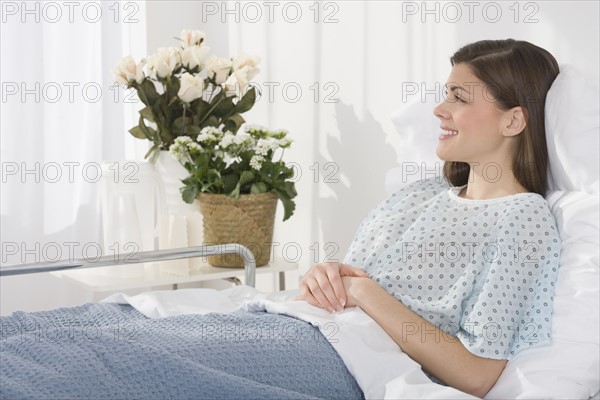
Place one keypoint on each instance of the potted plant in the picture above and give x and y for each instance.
(193, 103)
(238, 179)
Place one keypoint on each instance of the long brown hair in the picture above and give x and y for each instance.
(516, 73)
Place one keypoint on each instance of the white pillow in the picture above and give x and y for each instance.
(569, 367)
(573, 131)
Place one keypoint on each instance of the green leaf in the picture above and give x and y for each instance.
(180, 122)
(224, 108)
(230, 183)
(233, 123)
(191, 130)
(288, 204)
(154, 151)
(147, 92)
(137, 132)
(258, 187)
(189, 193)
(200, 107)
(247, 177)
(210, 121)
(290, 189)
(246, 102)
(150, 133)
(147, 113)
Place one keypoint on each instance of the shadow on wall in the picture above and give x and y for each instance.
(355, 173)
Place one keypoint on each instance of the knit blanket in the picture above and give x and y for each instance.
(112, 351)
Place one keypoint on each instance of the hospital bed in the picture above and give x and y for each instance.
(171, 344)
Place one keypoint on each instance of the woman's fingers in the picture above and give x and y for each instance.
(317, 293)
(346, 270)
(307, 296)
(323, 285)
(337, 286)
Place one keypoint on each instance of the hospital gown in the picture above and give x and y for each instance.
(480, 270)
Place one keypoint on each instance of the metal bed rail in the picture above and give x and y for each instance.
(141, 257)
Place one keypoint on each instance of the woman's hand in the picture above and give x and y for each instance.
(322, 285)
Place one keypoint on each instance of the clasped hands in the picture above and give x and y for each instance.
(332, 286)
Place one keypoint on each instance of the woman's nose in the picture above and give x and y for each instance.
(440, 111)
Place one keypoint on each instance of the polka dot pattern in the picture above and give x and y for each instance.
(481, 270)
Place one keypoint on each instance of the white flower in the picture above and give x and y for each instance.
(264, 145)
(228, 140)
(128, 71)
(244, 69)
(247, 64)
(164, 61)
(218, 68)
(194, 56)
(284, 143)
(231, 86)
(184, 140)
(229, 159)
(255, 162)
(255, 128)
(194, 147)
(191, 38)
(191, 87)
(179, 147)
(209, 133)
(244, 140)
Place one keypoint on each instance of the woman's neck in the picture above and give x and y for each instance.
(490, 183)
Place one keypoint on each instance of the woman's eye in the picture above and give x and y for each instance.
(455, 97)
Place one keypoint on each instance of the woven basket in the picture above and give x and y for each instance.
(248, 221)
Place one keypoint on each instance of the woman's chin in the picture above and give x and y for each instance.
(442, 155)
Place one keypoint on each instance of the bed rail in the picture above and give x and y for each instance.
(141, 257)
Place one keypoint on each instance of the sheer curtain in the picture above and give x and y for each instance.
(61, 116)
(332, 75)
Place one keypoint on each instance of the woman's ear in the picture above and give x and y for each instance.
(515, 121)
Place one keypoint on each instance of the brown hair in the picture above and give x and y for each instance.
(516, 73)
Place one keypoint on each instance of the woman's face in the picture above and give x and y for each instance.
(470, 113)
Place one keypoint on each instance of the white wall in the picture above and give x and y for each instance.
(363, 59)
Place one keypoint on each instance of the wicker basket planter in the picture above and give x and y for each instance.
(248, 221)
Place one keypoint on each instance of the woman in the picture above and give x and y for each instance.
(462, 276)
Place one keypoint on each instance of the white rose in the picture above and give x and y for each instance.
(247, 64)
(191, 87)
(191, 38)
(164, 62)
(218, 68)
(128, 71)
(194, 56)
(231, 86)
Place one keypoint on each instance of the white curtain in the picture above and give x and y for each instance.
(332, 78)
(61, 116)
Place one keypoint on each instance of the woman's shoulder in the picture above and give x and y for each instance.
(530, 204)
(434, 184)
(416, 191)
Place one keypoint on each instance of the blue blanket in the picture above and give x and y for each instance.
(110, 351)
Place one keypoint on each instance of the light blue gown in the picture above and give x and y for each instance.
(480, 270)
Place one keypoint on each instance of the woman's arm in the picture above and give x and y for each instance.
(438, 352)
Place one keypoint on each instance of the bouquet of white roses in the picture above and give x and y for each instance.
(233, 164)
(185, 90)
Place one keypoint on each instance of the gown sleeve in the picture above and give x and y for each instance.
(510, 307)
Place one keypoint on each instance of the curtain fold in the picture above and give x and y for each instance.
(61, 117)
